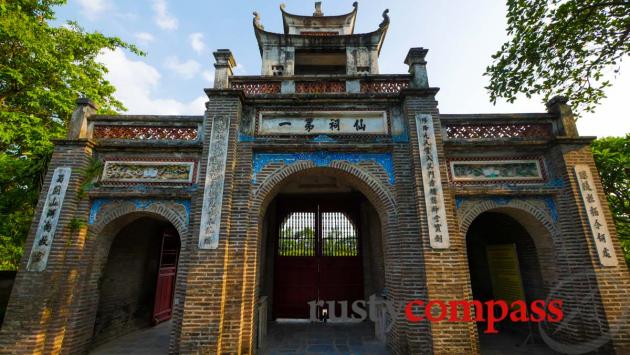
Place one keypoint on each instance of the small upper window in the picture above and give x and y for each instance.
(320, 62)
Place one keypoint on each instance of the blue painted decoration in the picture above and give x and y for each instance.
(504, 200)
(324, 138)
(140, 204)
(324, 158)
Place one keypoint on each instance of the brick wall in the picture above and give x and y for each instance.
(446, 270)
(610, 306)
(210, 317)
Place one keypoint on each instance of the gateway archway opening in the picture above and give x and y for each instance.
(505, 264)
(136, 287)
(317, 255)
(321, 241)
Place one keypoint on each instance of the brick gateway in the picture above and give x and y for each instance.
(430, 192)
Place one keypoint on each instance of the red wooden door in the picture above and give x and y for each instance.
(167, 271)
(317, 256)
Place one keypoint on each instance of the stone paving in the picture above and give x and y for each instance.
(312, 338)
(320, 338)
(150, 341)
(511, 344)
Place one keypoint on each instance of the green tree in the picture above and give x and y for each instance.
(612, 156)
(43, 69)
(561, 47)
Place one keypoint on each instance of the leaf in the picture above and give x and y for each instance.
(43, 69)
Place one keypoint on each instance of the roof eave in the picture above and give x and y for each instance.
(351, 16)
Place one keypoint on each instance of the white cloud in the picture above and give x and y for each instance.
(94, 8)
(196, 42)
(135, 83)
(144, 37)
(162, 17)
(239, 69)
(186, 69)
(208, 75)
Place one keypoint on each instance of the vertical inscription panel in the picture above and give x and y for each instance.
(596, 220)
(49, 219)
(432, 183)
(213, 186)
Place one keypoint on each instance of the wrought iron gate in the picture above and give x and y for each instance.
(318, 254)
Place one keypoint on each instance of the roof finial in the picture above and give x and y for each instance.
(385, 19)
(318, 9)
(257, 23)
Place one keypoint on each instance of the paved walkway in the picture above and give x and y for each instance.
(511, 344)
(319, 338)
(150, 341)
(311, 338)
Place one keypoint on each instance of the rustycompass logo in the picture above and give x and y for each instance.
(490, 312)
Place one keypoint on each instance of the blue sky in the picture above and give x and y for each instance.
(179, 37)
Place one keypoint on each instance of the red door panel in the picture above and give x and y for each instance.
(296, 285)
(341, 279)
(167, 271)
(317, 257)
(164, 294)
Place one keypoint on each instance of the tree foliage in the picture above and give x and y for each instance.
(561, 47)
(612, 156)
(43, 69)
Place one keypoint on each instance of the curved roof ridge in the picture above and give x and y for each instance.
(345, 17)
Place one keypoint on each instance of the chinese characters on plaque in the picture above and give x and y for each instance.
(432, 183)
(49, 219)
(213, 186)
(322, 122)
(596, 219)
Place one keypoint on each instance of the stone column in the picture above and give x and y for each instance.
(223, 68)
(417, 67)
(79, 122)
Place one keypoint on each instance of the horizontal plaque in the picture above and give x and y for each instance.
(322, 122)
(491, 170)
(148, 171)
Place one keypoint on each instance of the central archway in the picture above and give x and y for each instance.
(322, 237)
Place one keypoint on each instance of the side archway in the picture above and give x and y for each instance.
(536, 216)
(511, 256)
(122, 230)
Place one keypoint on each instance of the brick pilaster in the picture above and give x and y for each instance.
(41, 302)
(210, 318)
(446, 269)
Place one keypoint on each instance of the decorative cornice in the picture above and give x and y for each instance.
(82, 142)
(225, 92)
(419, 92)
